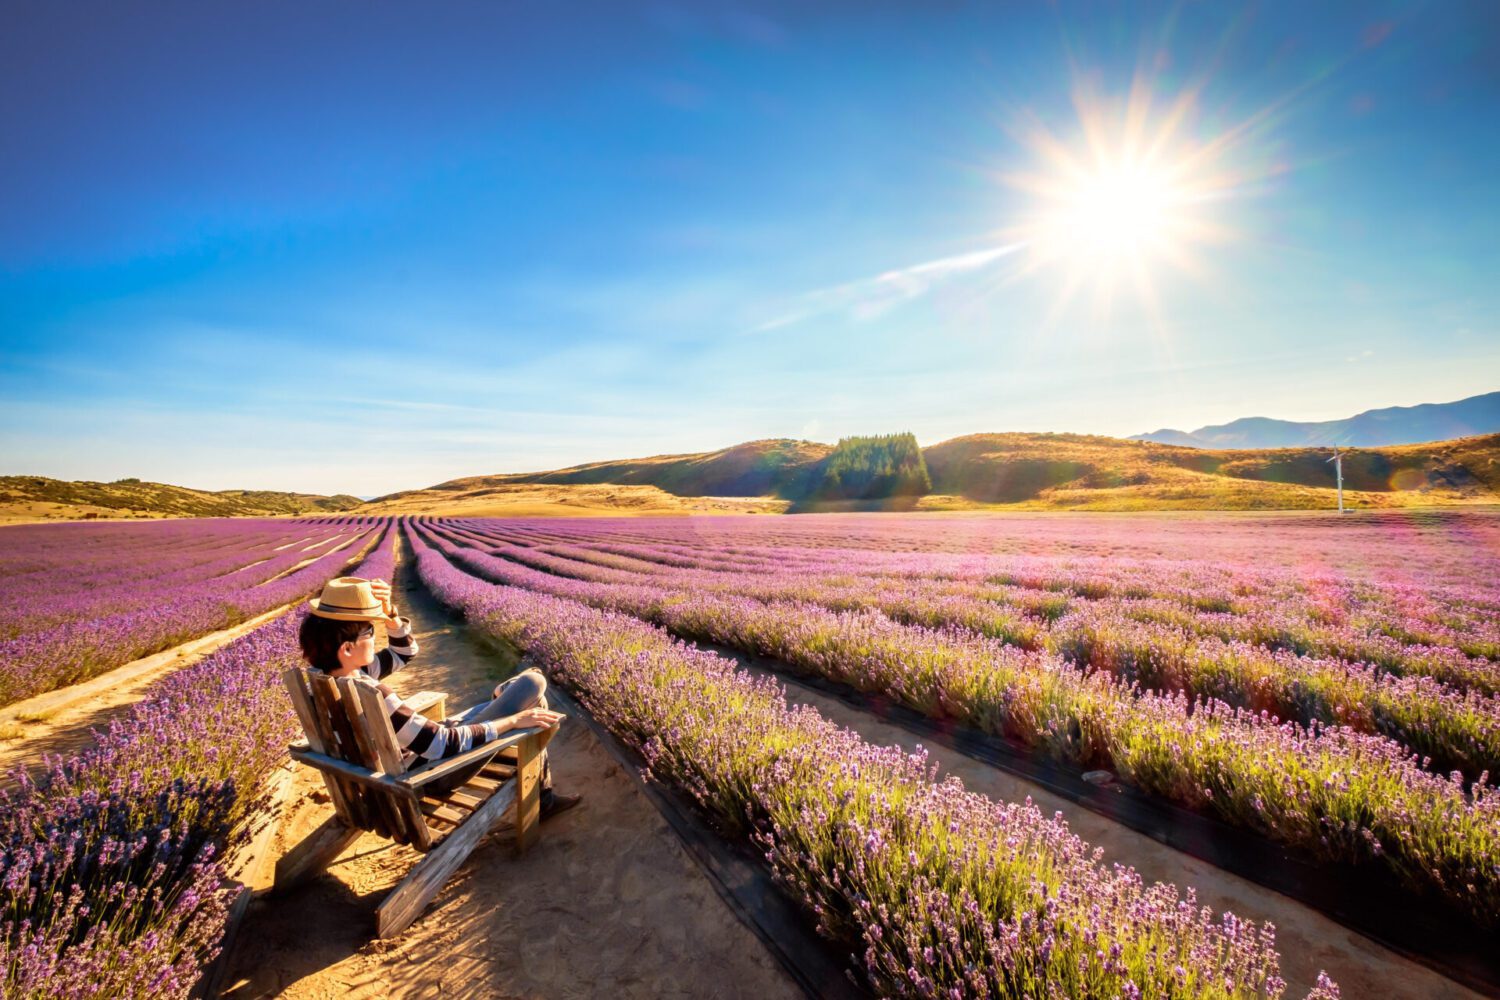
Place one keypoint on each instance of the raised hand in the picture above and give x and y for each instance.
(382, 591)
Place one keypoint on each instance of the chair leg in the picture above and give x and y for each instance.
(406, 902)
(314, 854)
(528, 780)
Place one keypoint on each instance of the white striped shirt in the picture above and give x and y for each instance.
(427, 739)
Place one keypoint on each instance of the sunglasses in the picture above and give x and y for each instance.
(365, 633)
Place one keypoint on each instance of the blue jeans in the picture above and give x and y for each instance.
(527, 689)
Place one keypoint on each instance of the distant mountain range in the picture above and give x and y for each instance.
(1370, 429)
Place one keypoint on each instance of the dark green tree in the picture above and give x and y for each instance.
(874, 468)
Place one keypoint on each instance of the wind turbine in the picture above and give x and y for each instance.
(1338, 467)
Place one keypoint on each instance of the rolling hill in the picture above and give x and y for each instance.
(775, 467)
(974, 472)
(37, 498)
(987, 471)
(1071, 471)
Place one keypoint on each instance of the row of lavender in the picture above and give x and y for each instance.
(1332, 791)
(89, 579)
(83, 611)
(1422, 549)
(1453, 726)
(1307, 609)
(943, 892)
(112, 877)
(56, 572)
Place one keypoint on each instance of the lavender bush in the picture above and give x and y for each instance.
(1332, 790)
(81, 647)
(112, 879)
(943, 892)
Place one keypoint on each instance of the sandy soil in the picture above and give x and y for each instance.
(1307, 940)
(607, 904)
(63, 721)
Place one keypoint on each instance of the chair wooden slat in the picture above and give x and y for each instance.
(353, 773)
(295, 681)
(427, 876)
(390, 810)
(355, 812)
(326, 697)
(466, 800)
(444, 812)
(382, 740)
(485, 782)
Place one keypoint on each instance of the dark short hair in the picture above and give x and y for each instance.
(320, 639)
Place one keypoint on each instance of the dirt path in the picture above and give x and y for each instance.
(607, 904)
(1307, 940)
(63, 721)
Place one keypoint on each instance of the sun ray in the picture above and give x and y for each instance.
(1131, 191)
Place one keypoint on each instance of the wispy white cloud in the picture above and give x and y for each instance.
(868, 298)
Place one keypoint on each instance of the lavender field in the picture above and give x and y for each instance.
(1326, 685)
(1329, 686)
(83, 599)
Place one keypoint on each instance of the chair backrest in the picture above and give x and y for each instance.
(346, 719)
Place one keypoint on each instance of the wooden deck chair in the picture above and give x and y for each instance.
(350, 740)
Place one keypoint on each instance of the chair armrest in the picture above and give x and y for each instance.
(433, 704)
(419, 776)
(344, 769)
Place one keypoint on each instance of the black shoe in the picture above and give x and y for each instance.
(553, 803)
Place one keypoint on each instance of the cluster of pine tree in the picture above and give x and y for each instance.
(873, 468)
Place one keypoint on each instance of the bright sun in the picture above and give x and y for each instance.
(1132, 192)
(1120, 210)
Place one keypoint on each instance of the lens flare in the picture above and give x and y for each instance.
(1131, 189)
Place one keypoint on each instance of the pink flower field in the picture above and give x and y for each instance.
(1331, 686)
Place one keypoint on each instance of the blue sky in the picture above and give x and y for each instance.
(368, 247)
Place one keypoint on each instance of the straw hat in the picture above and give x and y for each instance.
(347, 599)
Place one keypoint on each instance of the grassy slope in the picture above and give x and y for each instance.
(483, 498)
(1072, 471)
(976, 472)
(994, 472)
(25, 498)
(777, 467)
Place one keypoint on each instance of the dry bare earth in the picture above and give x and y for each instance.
(606, 904)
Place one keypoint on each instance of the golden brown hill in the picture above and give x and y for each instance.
(750, 478)
(1077, 471)
(37, 498)
(561, 500)
(987, 471)
(777, 467)
(976, 472)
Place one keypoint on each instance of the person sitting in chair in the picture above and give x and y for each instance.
(338, 638)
